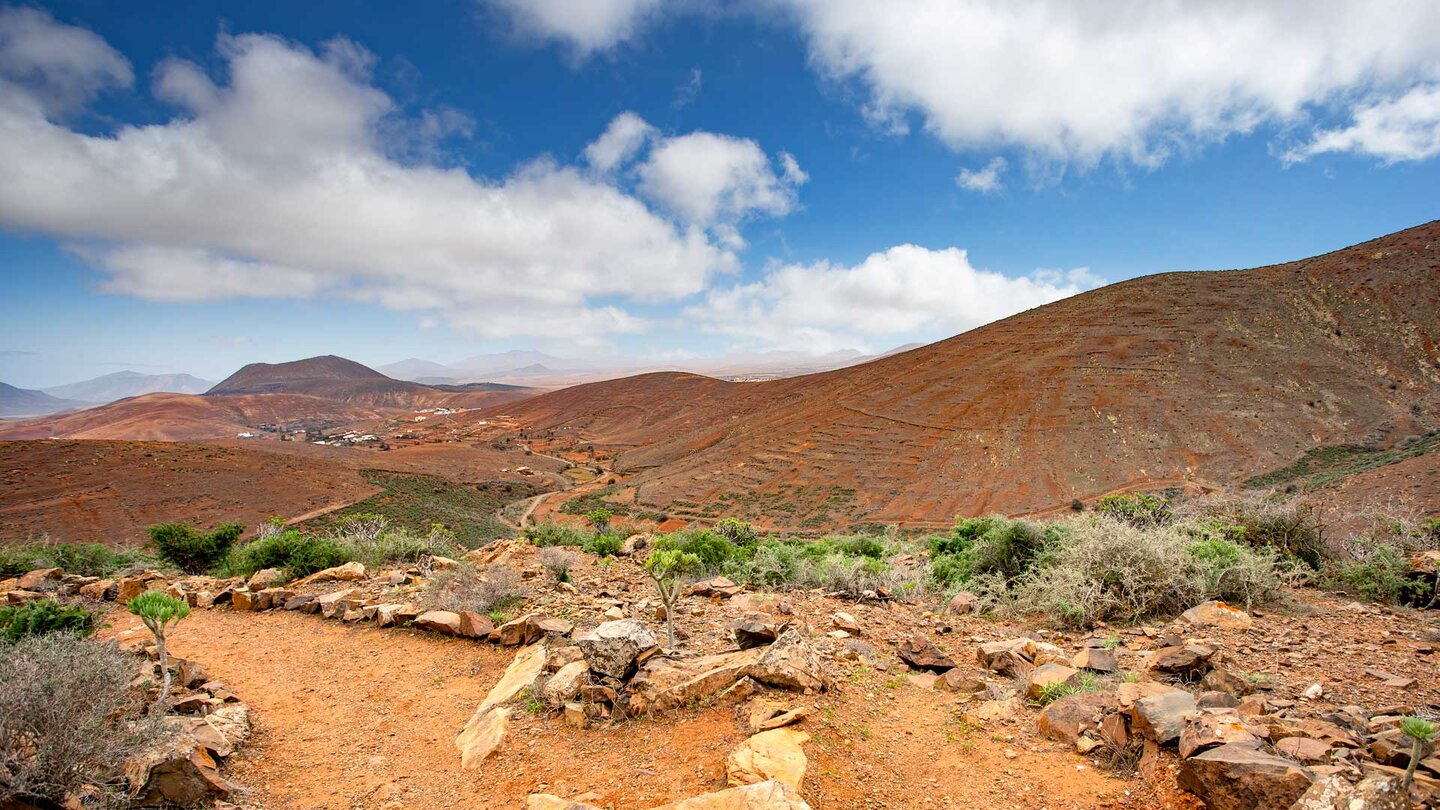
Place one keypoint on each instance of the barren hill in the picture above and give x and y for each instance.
(26, 402)
(185, 417)
(337, 378)
(122, 384)
(1180, 379)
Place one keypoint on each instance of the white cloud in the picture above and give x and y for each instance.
(985, 180)
(1405, 128)
(281, 181)
(1080, 80)
(706, 178)
(906, 293)
(61, 66)
(585, 26)
(625, 136)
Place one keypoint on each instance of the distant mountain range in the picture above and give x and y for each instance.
(532, 368)
(122, 384)
(26, 402)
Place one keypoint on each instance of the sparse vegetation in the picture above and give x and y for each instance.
(86, 559)
(1136, 508)
(465, 587)
(68, 719)
(296, 553)
(550, 533)
(604, 545)
(371, 540)
(160, 613)
(414, 503)
(192, 550)
(1375, 571)
(558, 561)
(44, 616)
(1422, 733)
(1325, 465)
(667, 569)
(1084, 682)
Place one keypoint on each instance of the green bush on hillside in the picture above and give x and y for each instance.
(192, 550)
(86, 559)
(295, 553)
(1136, 508)
(550, 533)
(44, 616)
(604, 545)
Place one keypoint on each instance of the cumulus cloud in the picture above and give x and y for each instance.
(61, 66)
(704, 180)
(707, 178)
(985, 180)
(1081, 80)
(1405, 128)
(905, 293)
(585, 26)
(281, 180)
(620, 142)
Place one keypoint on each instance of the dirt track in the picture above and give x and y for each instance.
(356, 717)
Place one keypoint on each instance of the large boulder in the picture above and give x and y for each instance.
(1162, 717)
(1239, 776)
(715, 587)
(755, 630)
(349, 572)
(772, 795)
(482, 736)
(1208, 728)
(439, 621)
(663, 683)
(39, 579)
(175, 771)
(1013, 656)
(564, 685)
(1069, 717)
(921, 653)
(611, 648)
(774, 754)
(1049, 676)
(1377, 791)
(265, 578)
(790, 663)
(1190, 661)
(1218, 614)
(529, 629)
(475, 625)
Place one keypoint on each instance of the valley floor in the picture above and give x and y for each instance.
(357, 717)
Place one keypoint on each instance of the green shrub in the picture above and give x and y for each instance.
(44, 616)
(86, 559)
(738, 532)
(191, 550)
(600, 519)
(399, 546)
(296, 553)
(68, 719)
(1110, 570)
(555, 534)
(711, 549)
(1136, 508)
(1290, 528)
(1378, 572)
(604, 545)
(989, 545)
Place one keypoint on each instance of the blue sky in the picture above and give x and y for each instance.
(189, 187)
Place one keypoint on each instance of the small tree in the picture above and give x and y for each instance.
(1421, 733)
(600, 519)
(667, 568)
(160, 612)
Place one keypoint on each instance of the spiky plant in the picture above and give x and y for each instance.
(160, 613)
(666, 568)
(1421, 732)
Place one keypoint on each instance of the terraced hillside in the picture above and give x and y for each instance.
(1196, 380)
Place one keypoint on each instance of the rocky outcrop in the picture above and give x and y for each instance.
(775, 754)
(1239, 776)
(612, 648)
(772, 795)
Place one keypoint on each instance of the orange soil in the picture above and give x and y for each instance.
(355, 717)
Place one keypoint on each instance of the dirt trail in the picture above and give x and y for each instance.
(356, 717)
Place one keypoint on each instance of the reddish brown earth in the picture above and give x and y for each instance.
(185, 417)
(109, 491)
(319, 392)
(1193, 380)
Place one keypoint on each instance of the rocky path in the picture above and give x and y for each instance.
(356, 717)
